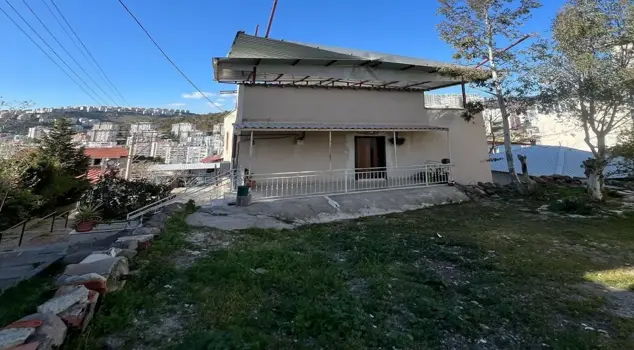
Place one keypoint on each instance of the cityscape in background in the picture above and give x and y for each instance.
(183, 143)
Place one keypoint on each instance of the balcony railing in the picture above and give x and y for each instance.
(309, 183)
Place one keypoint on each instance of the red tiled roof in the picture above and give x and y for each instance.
(93, 174)
(106, 152)
(211, 159)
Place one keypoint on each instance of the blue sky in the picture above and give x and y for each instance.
(192, 32)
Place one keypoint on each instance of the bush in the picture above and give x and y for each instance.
(571, 206)
(117, 196)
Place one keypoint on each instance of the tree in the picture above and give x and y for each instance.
(480, 29)
(586, 73)
(58, 145)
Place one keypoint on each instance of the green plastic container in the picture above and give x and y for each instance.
(243, 191)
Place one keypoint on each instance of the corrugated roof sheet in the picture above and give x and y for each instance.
(331, 126)
(249, 46)
(548, 160)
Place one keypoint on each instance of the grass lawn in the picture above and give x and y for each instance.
(455, 277)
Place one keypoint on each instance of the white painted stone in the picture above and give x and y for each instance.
(137, 238)
(74, 279)
(14, 336)
(95, 257)
(63, 302)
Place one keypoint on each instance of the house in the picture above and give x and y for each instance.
(545, 161)
(103, 158)
(314, 119)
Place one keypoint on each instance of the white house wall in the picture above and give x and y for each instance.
(467, 139)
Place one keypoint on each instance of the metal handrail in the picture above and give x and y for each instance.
(167, 200)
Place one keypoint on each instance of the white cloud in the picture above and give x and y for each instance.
(176, 104)
(197, 95)
(220, 100)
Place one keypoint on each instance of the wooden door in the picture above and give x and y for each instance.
(370, 157)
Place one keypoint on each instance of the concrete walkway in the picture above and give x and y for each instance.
(289, 213)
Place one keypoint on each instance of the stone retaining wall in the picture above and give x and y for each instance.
(81, 287)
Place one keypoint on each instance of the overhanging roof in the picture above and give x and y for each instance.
(255, 59)
(282, 126)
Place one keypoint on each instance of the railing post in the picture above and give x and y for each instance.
(22, 233)
(426, 175)
(345, 180)
(52, 223)
(66, 222)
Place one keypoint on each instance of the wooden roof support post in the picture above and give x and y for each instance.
(464, 95)
(251, 153)
(450, 160)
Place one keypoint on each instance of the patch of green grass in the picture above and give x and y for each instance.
(23, 299)
(616, 278)
(571, 206)
(434, 278)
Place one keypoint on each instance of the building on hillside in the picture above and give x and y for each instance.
(340, 120)
(103, 132)
(37, 132)
(182, 130)
(195, 154)
(141, 127)
(176, 154)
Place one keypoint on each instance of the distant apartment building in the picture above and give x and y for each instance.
(141, 127)
(103, 132)
(448, 100)
(195, 154)
(182, 130)
(37, 132)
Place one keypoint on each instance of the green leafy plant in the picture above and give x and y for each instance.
(88, 212)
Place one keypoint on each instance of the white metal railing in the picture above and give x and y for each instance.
(307, 183)
(207, 188)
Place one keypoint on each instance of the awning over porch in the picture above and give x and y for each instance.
(282, 126)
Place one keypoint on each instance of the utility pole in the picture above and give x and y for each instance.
(128, 164)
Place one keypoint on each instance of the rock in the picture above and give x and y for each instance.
(172, 208)
(111, 252)
(479, 191)
(260, 271)
(11, 337)
(63, 302)
(79, 315)
(95, 257)
(157, 220)
(92, 281)
(127, 253)
(34, 345)
(111, 269)
(51, 333)
(131, 245)
(138, 238)
(146, 231)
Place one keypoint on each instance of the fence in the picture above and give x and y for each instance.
(307, 183)
(14, 236)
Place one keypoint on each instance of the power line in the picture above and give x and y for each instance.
(49, 57)
(68, 53)
(85, 48)
(54, 52)
(167, 57)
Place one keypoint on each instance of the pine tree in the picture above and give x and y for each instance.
(58, 146)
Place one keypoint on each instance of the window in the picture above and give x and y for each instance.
(96, 161)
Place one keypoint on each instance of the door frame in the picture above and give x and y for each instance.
(382, 158)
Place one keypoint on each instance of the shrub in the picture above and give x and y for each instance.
(117, 196)
(571, 206)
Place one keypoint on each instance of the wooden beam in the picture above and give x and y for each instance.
(304, 78)
(408, 67)
(417, 84)
(330, 63)
(390, 83)
(278, 77)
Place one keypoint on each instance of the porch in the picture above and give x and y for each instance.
(281, 160)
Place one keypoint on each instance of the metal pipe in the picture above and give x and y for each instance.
(251, 153)
(53, 223)
(257, 26)
(330, 150)
(22, 233)
(395, 157)
(128, 163)
(268, 27)
(66, 222)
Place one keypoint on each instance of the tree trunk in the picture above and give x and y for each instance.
(594, 174)
(508, 151)
(531, 185)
